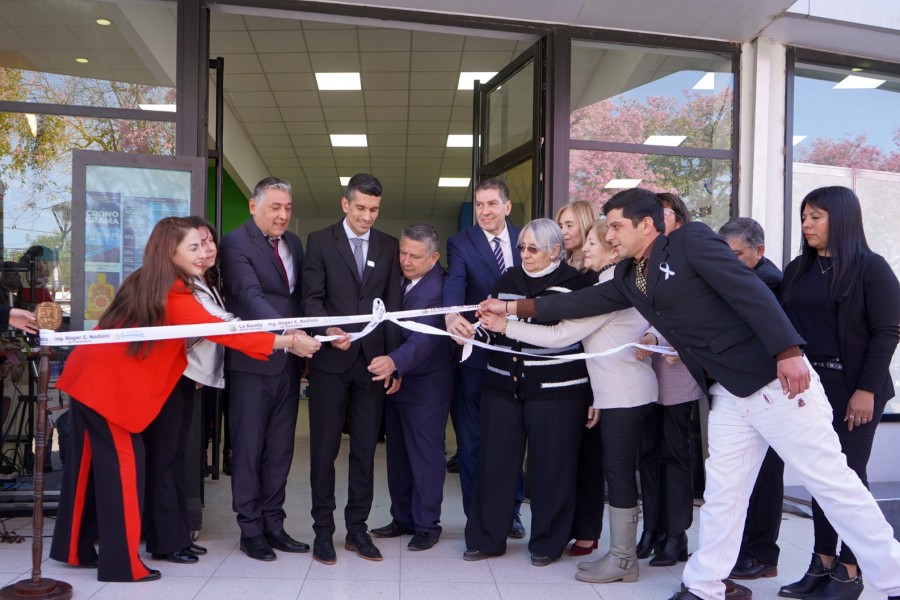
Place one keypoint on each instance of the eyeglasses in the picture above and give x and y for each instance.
(530, 249)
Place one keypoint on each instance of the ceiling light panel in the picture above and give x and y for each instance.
(453, 182)
(855, 82)
(621, 184)
(338, 81)
(665, 140)
(467, 79)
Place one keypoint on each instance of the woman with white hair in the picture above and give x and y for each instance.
(538, 401)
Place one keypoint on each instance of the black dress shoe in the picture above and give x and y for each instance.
(840, 586)
(392, 530)
(748, 567)
(196, 549)
(153, 575)
(816, 576)
(473, 555)
(650, 543)
(279, 540)
(541, 561)
(453, 464)
(736, 591)
(685, 595)
(422, 541)
(182, 557)
(517, 530)
(256, 547)
(674, 549)
(361, 543)
(323, 550)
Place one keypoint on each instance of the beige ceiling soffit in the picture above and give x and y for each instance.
(153, 35)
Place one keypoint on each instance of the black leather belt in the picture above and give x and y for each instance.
(827, 364)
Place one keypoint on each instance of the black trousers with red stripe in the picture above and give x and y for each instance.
(102, 495)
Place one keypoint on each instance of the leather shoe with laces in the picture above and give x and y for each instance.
(748, 567)
(392, 530)
(422, 541)
(323, 550)
(517, 530)
(181, 557)
(280, 540)
(256, 547)
(736, 591)
(361, 543)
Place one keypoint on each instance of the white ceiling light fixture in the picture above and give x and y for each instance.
(798, 139)
(345, 181)
(856, 82)
(665, 140)
(707, 82)
(32, 123)
(162, 107)
(338, 81)
(104, 22)
(467, 79)
(459, 141)
(82, 60)
(621, 184)
(349, 140)
(453, 182)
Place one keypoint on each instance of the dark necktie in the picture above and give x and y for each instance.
(498, 254)
(404, 286)
(275, 242)
(640, 280)
(358, 255)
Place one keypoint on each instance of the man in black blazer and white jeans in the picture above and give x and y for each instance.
(347, 266)
(727, 326)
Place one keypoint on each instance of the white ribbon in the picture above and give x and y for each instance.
(379, 315)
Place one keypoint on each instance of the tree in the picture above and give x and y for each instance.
(851, 152)
(703, 117)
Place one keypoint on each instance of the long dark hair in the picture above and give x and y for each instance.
(211, 276)
(846, 240)
(141, 301)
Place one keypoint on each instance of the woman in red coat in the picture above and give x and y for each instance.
(117, 390)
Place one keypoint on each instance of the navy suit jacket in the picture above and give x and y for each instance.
(255, 289)
(720, 317)
(332, 287)
(425, 362)
(473, 271)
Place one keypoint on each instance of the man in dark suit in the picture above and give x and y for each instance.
(727, 326)
(759, 552)
(416, 415)
(261, 264)
(348, 265)
(476, 257)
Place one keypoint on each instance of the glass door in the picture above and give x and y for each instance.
(508, 131)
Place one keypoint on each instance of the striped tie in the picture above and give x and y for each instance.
(358, 255)
(498, 254)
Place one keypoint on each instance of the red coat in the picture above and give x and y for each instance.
(130, 391)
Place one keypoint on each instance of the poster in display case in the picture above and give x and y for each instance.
(116, 201)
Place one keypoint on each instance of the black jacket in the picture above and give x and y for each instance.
(868, 322)
(528, 378)
(720, 317)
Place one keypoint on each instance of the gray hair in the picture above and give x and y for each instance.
(269, 183)
(423, 232)
(744, 228)
(546, 235)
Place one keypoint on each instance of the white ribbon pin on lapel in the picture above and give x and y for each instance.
(664, 267)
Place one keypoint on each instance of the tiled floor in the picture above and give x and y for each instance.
(440, 573)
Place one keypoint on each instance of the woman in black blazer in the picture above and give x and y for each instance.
(845, 301)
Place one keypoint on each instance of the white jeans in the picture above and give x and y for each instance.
(800, 431)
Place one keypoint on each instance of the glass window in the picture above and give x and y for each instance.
(35, 204)
(704, 184)
(651, 96)
(106, 56)
(655, 118)
(511, 113)
(847, 132)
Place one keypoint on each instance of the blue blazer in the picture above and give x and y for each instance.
(255, 289)
(472, 273)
